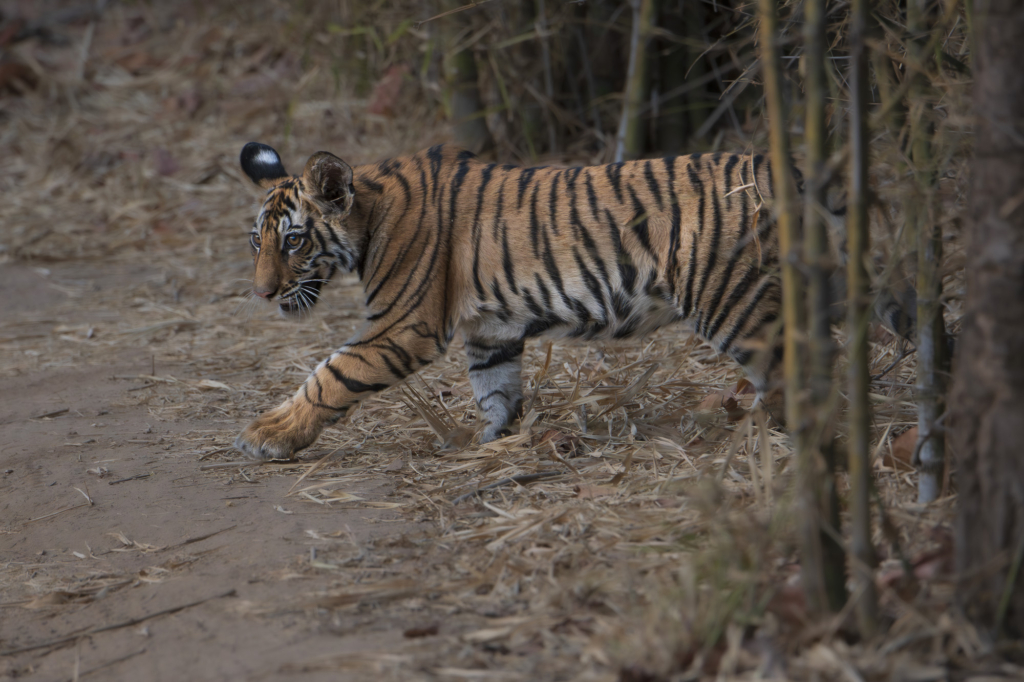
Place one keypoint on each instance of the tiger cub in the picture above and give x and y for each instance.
(445, 244)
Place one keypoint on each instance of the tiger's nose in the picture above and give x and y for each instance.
(264, 293)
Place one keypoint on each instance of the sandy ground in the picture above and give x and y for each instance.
(201, 535)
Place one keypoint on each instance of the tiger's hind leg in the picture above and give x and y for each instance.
(495, 370)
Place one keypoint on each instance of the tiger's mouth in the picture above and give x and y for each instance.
(301, 299)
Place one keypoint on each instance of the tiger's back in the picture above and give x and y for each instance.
(594, 252)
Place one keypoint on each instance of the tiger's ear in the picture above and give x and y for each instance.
(262, 164)
(328, 182)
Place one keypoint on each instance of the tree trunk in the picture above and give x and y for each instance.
(988, 397)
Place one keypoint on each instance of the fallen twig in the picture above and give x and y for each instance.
(217, 451)
(115, 626)
(198, 538)
(59, 511)
(55, 413)
(130, 478)
(522, 479)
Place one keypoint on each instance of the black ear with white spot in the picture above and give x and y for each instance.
(262, 164)
(328, 182)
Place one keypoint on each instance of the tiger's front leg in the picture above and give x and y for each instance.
(495, 373)
(353, 373)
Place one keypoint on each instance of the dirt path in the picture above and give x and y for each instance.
(106, 515)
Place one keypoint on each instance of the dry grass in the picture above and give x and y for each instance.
(632, 529)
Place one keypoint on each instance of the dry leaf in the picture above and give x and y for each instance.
(428, 631)
(723, 400)
(585, 491)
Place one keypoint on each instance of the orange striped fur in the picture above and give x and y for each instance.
(446, 244)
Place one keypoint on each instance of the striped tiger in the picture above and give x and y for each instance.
(444, 244)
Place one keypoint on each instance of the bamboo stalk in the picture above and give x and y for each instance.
(824, 590)
(785, 212)
(858, 305)
(932, 361)
(463, 92)
(629, 140)
(549, 88)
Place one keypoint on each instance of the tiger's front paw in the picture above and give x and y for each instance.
(280, 433)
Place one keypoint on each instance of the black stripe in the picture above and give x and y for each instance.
(743, 317)
(354, 385)
(525, 176)
(531, 303)
(698, 187)
(395, 371)
(729, 165)
(614, 173)
(545, 293)
(676, 226)
(583, 234)
(711, 255)
(534, 223)
(403, 356)
(499, 210)
(508, 353)
(592, 284)
(640, 225)
(652, 184)
(476, 230)
(371, 185)
(495, 392)
(620, 304)
(435, 155)
(506, 263)
(553, 203)
(753, 269)
(627, 271)
(717, 297)
(592, 197)
(754, 167)
(556, 277)
(504, 314)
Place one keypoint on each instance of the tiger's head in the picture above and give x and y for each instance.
(300, 237)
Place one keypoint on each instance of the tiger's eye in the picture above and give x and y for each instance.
(255, 239)
(294, 241)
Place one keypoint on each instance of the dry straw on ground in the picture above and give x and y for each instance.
(636, 528)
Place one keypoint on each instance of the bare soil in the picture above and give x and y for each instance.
(61, 525)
